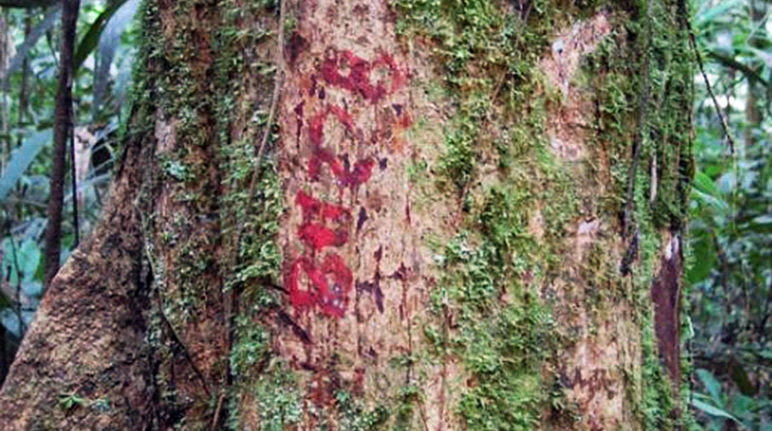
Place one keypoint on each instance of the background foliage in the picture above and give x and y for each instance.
(730, 275)
(29, 50)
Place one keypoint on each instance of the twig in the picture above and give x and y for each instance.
(25, 72)
(26, 3)
(730, 62)
(175, 338)
(18, 285)
(50, 43)
(22, 51)
(499, 84)
(272, 111)
(74, 184)
(267, 131)
(185, 352)
(724, 124)
(217, 411)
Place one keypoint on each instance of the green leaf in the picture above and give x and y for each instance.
(705, 184)
(91, 38)
(21, 159)
(30, 253)
(704, 254)
(763, 219)
(706, 191)
(5, 301)
(711, 384)
(706, 16)
(71, 400)
(713, 410)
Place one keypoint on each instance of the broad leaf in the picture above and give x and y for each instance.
(704, 254)
(711, 384)
(21, 159)
(706, 16)
(712, 410)
(91, 38)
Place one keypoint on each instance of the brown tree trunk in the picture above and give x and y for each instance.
(63, 118)
(435, 240)
(25, 71)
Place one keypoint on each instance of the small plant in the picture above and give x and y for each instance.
(70, 401)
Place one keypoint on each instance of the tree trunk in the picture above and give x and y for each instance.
(442, 235)
(63, 128)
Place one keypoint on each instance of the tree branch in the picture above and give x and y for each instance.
(730, 62)
(26, 4)
(693, 42)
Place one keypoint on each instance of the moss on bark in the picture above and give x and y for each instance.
(490, 54)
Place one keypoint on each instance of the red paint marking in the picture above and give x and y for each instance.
(318, 236)
(333, 212)
(316, 123)
(313, 207)
(358, 79)
(328, 283)
(406, 121)
(345, 176)
(362, 171)
(321, 156)
(302, 298)
(398, 77)
(332, 298)
(342, 115)
(309, 205)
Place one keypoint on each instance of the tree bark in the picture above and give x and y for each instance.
(442, 236)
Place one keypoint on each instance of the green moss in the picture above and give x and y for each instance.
(460, 158)
(661, 43)
(501, 343)
(252, 349)
(279, 402)
(504, 331)
(658, 43)
(657, 403)
(490, 59)
(493, 267)
(255, 368)
(258, 374)
(352, 416)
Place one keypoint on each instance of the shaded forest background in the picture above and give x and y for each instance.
(728, 325)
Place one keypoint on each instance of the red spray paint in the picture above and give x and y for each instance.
(328, 281)
(358, 79)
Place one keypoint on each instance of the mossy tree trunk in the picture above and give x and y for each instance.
(466, 215)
